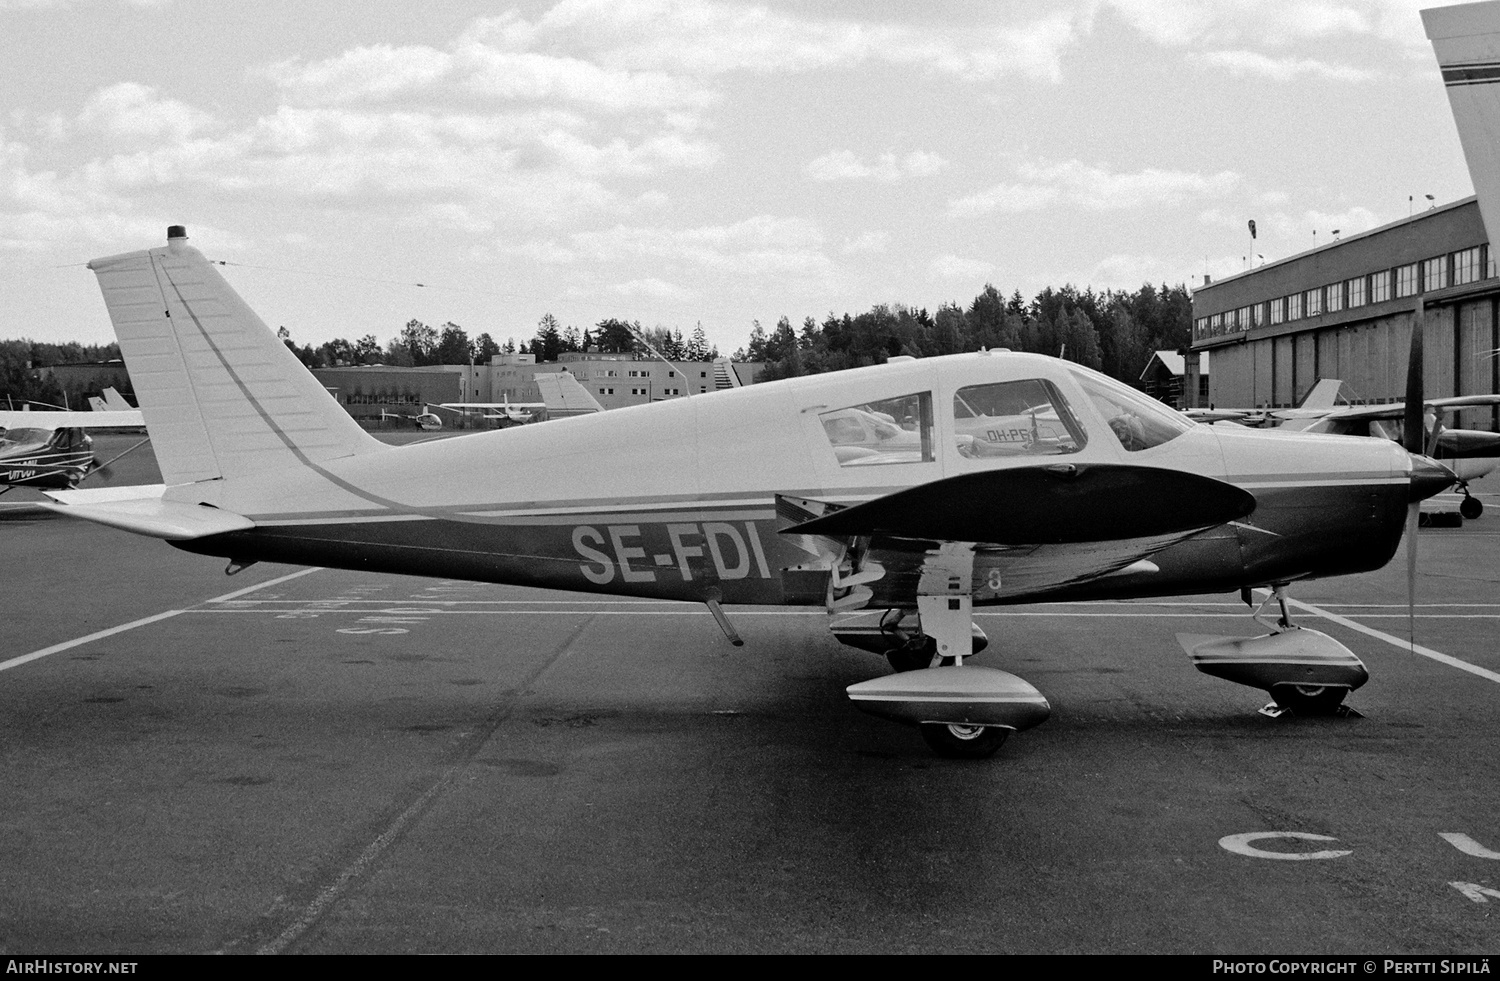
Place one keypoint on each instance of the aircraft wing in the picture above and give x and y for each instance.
(1063, 503)
(492, 405)
(1396, 410)
(111, 419)
(1220, 415)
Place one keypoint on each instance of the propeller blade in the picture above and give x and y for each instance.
(1437, 430)
(1411, 430)
(1413, 518)
(1411, 438)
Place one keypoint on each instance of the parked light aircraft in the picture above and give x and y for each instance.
(54, 449)
(561, 393)
(744, 498)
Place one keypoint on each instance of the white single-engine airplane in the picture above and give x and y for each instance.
(53, 449)
(746, 498)
(562, 396)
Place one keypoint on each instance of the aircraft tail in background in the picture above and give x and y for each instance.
(564, 396)
(1466, 40)
(221, 394)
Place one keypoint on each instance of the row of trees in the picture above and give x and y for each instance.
(20, 382)
(1114, 332)
(419, 345)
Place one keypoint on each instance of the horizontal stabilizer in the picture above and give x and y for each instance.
(143, 511)
(1057, 504)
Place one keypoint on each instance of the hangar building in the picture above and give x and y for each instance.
(1345, 310)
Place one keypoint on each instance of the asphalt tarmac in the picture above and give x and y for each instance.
(316, 761)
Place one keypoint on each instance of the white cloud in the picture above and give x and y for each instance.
(887, 168)
(1129, 272)
(1244, 63)
(957, 267)
(1006, 199)
(703, 38)
(367, 74)
(758, 245)
(653, 288)
(129, 110)
(870, 243)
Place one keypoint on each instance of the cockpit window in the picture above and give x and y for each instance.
(1138, 421)
(11, 439)
(895, 430)
(1014, 418)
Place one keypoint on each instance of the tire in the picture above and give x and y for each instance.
(1309, 699)
(959, 742)
(1471, 508)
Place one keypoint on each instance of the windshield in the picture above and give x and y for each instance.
(11, 439)
(1137, 420)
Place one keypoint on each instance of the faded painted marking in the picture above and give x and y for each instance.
(1242, 844)
(1467, 845)
(165, 615)
(1476, 892)
(1394, 641)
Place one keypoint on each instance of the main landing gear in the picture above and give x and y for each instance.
(962, 712)
(1305, 671)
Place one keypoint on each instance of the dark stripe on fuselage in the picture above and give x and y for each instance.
(1294, 533)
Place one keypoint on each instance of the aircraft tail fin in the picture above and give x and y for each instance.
(1323, 395)
(222, 396)
(564, 396)
(1466, 40)
(115, 402)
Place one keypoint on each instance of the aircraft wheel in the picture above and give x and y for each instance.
(1471, 508)
(1309, 699)
(960, 742)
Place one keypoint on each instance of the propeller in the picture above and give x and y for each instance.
(1412, 440)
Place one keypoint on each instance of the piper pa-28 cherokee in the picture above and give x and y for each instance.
(1017, 478)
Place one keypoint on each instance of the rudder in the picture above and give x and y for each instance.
(222, 396)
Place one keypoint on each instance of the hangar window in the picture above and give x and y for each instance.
(1314, 300)
(1016, 418)
(1406, 280)
(1380, 286)
(1257, 315)
(1294, 307)
(1335, 297)
(1356, 291)
(895, 430)
(1435, 273)
(1243, 318)
(1466, 266)
(1278, 310)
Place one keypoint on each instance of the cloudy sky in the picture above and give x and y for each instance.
(686, 161)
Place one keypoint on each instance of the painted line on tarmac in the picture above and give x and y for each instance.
(1394, 641)
(16, 662)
